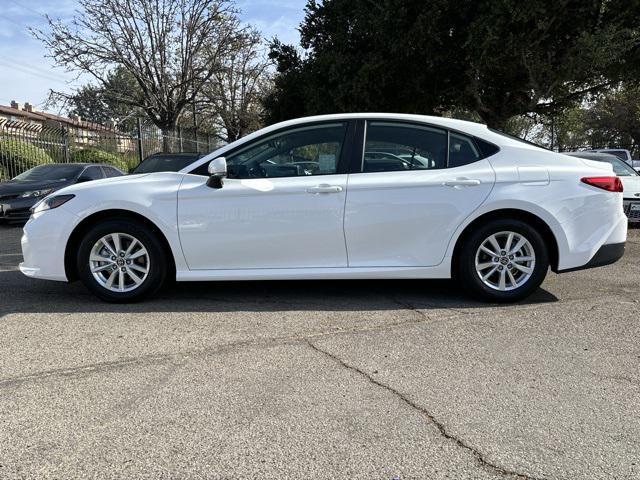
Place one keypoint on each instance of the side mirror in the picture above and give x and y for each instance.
(217, 171)
(82, 179)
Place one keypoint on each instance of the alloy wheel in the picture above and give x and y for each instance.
(119, 262)
(505, 261)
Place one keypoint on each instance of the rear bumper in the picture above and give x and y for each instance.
(606, 255)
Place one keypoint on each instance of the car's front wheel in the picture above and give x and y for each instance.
(503, 261)
(120, 261)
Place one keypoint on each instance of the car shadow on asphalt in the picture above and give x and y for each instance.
(21, 294)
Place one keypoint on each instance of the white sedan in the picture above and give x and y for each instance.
(492, 211)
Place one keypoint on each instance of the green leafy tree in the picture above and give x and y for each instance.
(16, 156)
(497, 58)
(104, 103)
(614, 119)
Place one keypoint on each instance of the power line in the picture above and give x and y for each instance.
(22, 69)
(25, 7)
(28, 66)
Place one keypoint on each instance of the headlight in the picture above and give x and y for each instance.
(49, 203)
(37, 193)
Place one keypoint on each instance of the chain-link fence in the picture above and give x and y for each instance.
(24, 145)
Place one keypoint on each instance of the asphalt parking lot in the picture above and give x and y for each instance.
(371, 380)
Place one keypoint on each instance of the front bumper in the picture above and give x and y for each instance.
(44, 243)
(632, 209)
(17, 209)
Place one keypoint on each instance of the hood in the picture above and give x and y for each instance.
(631, 187)
(13, 187)
(104, 182)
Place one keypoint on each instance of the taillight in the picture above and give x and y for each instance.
(610, 184)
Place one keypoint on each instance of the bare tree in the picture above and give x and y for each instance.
(170, 47)
(233, 93)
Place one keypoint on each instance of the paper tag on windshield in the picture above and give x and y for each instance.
(327, 163)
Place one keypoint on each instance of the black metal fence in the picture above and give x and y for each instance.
(26, 145)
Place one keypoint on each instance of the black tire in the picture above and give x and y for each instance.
(465, 266)
(157, 266)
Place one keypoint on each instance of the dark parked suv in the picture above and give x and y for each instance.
(166, 162)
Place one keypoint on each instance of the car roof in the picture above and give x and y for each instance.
(60, 164)
(452, 123)
(77, 164)
(181, 154)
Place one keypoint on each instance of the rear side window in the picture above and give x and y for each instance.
(393, 147)
(462, 150)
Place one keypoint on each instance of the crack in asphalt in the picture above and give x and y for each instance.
(410, 306)
(479, 456)
(152, 359)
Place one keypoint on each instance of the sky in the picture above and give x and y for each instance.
(26, 75)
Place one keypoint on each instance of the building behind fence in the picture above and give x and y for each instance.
(29, 138)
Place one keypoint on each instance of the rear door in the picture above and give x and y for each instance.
(415, 185)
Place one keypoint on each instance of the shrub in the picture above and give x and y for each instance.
(16, 156)
(95, 155)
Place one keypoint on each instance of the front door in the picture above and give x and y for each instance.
(281, 207)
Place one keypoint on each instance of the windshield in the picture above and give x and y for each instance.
(621, 154)
(166, 163)
(620, 168)
(49, 173)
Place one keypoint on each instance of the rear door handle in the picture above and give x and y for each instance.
(462, 182)
(325, 189)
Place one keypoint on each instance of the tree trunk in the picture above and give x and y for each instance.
(168, 140)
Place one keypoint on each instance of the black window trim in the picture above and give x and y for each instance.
(357, 164)
(346, 152)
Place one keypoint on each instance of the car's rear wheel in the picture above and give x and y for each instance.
(503, 261)
(120, 261)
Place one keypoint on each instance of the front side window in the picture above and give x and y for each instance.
(305, 151)
(391, 147)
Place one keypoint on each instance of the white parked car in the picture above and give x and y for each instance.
(629, 177)
(492, 211)
(622, 154)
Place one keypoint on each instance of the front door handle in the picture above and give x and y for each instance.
(462, 182)
(325, 189)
